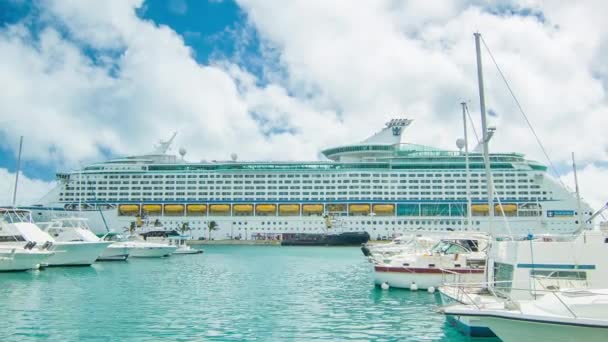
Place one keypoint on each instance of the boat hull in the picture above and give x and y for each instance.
(22, 261)
(114, 253)
(189, 251)
(467, 325)
(516, 330)
(404, 277)
(76, 253)
(151, 252)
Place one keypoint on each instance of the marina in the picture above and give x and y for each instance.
(229, 293)
(383, 235)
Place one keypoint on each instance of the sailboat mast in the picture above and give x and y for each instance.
(17, 171)
(484, 131)
(578, 195)
(466, 163)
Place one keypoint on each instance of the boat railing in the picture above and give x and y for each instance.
(463, 293)
(511, 305)
(464, 290)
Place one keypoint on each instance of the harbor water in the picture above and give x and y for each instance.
(229, 293)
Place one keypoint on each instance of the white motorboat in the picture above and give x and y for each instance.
(183, 247)
(566, 315)
(77, 229)
(17, 224)
(139, 248)
(170, 238)
(526, 269)
(19, 258)
(460, 258)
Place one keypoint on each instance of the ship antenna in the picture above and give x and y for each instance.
(484, 134)
(163, 145)
(17, 171)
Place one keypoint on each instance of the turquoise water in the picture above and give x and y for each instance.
(230, 293)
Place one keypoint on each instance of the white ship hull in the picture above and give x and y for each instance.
(76, 253)
(252, 227)
(21, 260)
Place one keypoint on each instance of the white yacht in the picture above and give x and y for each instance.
(457, 258)
(22, 258)
(562, 316)
(184, 248)
(157, 234)
(526, 270)
(76, 229)
(17, 226)
(140, 248)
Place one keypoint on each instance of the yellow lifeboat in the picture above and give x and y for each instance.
(196, 209)
(219, 208)
(384, 209)
(152, 208)
(479, 208)
(265, 208)
(359, 208)
(507, 208)
(289, 209)
(174, 209)
(242, 208)
(336, 207)
(128, 209)
(312, 208)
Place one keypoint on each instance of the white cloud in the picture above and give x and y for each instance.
(146, 85)
(592, 184)
(380, 58)
(29, 190)
(344, 70)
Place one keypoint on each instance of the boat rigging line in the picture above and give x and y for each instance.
(521, 110)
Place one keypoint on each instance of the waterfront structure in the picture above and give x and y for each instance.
(380, 185)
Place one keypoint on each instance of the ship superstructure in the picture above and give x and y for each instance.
(380, 185)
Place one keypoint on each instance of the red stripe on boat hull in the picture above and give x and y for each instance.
(426, 270)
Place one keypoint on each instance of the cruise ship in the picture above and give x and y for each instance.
(381, 185)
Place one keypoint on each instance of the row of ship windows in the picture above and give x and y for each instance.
(332, 175)
(322, 224)
(376, 187)
(292, 193)
(297, 194)
(223, 198)
(339, 181)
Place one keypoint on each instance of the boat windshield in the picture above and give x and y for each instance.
(450, 247)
